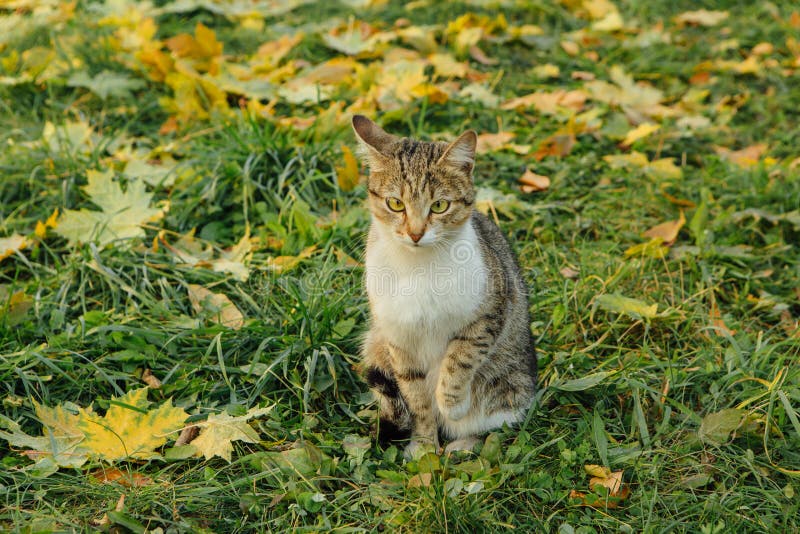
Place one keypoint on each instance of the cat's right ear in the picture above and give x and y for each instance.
(373, 140)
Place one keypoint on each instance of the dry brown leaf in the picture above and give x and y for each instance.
(218, 305)
(420, 480)
(530, 182)
(745, 157)
(550, 103)
(613, 481)
(115, 476)
(667, 231)
(559, 144)
(480, 56)
(570, 48)
(569, 272)
(763, 49)
(582, 75)
(286, 263)
(150, 379)
(720, 328)
(187, 435)
(491, 142)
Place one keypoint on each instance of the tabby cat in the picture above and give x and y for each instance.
(449, 349)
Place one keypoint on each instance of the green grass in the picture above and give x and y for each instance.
(99, 317)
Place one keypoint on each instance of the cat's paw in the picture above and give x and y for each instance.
(419, 447)
(453, 405)
(463, 444)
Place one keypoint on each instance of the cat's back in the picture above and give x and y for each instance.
(500, 257)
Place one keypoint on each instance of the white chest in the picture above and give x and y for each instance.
(420, 298)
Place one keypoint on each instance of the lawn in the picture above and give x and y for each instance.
(180, 211)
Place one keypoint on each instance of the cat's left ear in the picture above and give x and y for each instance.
(461, 153)
(373, 141)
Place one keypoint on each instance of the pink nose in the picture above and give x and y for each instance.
(415, 237)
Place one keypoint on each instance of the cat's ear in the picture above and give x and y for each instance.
(460, 154)
(373, 140)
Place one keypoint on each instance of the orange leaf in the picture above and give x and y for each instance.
(530, 182)
(129, 480)
(668, 231)
(491, 142)
(745, 157)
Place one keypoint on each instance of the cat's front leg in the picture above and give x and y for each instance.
(412, 382)
(465, 354)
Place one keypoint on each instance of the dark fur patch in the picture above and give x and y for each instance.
(383, 382)
(411, 375)
(388, 432)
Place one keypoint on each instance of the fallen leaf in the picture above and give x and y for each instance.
(763, 49)
(546, 71)
(569, 272)
(720, 328)
(702, 17)
(347, 175)
(150, 379)
(745, 157)
(554, 103)
(716, 427)
(667, 231)
(282, 264)
(11, 245)
(558, 145)
(530, 182)
(654, 248)
(640, 132)
(570, 47)
(112, 475)
(41, 227)
(420, 480)
(121, 216)
(219, 431)
(480, 56)
(106, 83)
(491, 142)
(217, 305)
(634, 308)
(129, 429)
(663, 168)
(13, 306)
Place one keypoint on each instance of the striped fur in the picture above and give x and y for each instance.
(449, 348)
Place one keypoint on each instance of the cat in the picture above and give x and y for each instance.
(449, 349)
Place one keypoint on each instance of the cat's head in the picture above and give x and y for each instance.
(421, 193)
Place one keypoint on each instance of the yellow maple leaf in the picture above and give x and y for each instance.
(640, 132)
(121, 213)
(129, 429)
(220, 430)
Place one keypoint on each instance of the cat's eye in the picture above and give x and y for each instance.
(440, 206)
(395, 204)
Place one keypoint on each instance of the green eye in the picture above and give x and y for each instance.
(395, 204)
(440, 206)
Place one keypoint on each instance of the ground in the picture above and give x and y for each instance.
(217, 258)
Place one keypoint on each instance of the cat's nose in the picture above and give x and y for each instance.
(415, 237)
